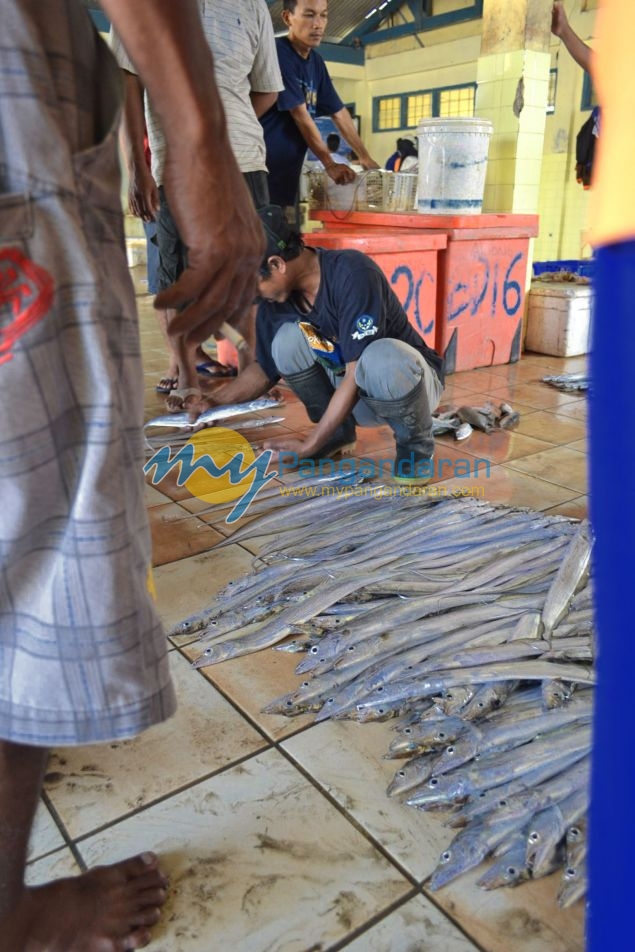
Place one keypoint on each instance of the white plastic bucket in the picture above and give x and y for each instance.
(452, 165)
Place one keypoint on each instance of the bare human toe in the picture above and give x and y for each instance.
(107, 909)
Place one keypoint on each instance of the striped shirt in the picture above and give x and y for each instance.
(240, 35)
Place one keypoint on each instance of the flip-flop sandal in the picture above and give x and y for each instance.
(181, 396)
(213, 369)
(167, 384)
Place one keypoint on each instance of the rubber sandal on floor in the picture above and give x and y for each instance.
(213, 369)
(167, 384)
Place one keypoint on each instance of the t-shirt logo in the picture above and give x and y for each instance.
(364, 327)
(310, 98)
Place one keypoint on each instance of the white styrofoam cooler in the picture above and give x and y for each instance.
(559, 319)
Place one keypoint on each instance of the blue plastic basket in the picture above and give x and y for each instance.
(584, 268)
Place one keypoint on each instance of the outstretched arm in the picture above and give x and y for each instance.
(340, 406)
(311, 134)
(346, 126)
(561, 27)
(207, 194)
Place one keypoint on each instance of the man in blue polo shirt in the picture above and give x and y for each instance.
(331, 325)
(289, 125)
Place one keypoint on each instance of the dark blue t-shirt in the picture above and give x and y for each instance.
(305, 81)
(355, 305)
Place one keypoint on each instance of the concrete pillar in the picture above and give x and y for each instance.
(513, 86)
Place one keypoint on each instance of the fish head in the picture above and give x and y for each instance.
(456, 754)
(507, 872)
(465, 852)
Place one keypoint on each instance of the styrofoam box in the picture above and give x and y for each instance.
(559, 319)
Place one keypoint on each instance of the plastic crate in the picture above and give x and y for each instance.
(583, 268)
(399, 191)
(374, 190)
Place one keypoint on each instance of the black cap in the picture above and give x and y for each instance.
(277, 230)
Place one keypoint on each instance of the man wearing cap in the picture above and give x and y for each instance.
(331, 325)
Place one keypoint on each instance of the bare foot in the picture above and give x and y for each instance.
(108, 909)
(186, 398)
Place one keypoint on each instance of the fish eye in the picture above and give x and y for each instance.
(447, 856)
(511, 871)
(408, 730)
(533, 837)
(574, 832)
(449, 750)
(502, 803)
(433, 782)
(305, 684)
(289, 703)
(441, 735)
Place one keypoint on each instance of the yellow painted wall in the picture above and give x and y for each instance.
(449, 56)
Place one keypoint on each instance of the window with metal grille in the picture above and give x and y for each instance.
(457, 102)
(406, 110)
(418, 106)
(388, 113)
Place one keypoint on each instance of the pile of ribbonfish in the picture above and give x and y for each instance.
(471, 624)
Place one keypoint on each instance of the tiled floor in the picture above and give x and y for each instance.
(278, 834)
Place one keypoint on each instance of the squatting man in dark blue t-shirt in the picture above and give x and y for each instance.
(332, 326)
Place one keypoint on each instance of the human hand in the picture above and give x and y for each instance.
(283, 445)
(340, 173)
(559, 21)
(143, 195)
(369, 163)
(224, 237)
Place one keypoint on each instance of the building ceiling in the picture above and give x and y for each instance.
(354, 24)
(347, 18)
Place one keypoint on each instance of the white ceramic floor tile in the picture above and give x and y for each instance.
(96, 785)
(347, 759)
(417, 926)
(187, 586)
(253, 681)
(54, 866)
(45, 836)
(258, 861)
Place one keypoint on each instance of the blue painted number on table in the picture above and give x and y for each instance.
(471, 294)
